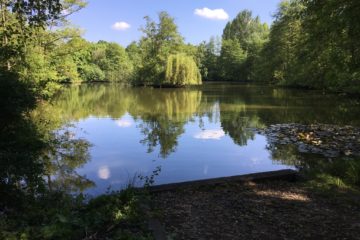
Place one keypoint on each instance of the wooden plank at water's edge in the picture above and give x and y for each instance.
(286, 174)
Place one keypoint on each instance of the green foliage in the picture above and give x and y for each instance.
(345, 170)
(20, 142)
(91, 73)
(334, 178)
(209, 62)
(232, 61)
(246, 29)
(36, 12)
(113, 60)
(102, 61)
(61, 216)
(277, 61)
(35, 160)
(49, 57)
(313, 44)
(332, 44)
(28, 48)
(181, 70)
(245, 37)
(135, 56)
(160, 41)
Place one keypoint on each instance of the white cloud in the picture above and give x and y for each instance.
(123, 123)
(121, 26)
(216, 14)
(104, 172)
(210, 134)
(65, 12)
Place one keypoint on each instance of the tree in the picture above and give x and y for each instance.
(27, 67)
(246, 29)
(232, 61)
(113, 60)
(251, 35)
(18, 18)
(134, 52)
(331, 46)
(209, 60)
(31, 49)
(313, 44)
(181, 70)
(278, 58)
(159, 41)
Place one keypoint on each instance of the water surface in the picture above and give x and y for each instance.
(195, 133)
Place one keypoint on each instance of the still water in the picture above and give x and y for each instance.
(196, 133)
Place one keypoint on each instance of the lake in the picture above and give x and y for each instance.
(194, 133)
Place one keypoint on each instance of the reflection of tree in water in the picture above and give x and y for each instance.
(336, 170)
(63, 152)
(175, 104)
(289, 154)
(286, 154)
(163, 114)
(160, 131)
(308, 107)
(20, 141)
(30, 151)
(79, 102)
(239, 123)
(62, 157)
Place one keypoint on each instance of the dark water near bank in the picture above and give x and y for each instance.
(195, 133)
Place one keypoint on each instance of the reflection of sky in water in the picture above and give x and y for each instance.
(118, 156)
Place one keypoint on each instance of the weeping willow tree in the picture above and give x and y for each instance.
(181, 70)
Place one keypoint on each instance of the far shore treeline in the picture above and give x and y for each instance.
(312, 44)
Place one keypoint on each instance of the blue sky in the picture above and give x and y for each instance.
(120, 20)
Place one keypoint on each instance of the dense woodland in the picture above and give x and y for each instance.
(311, 44)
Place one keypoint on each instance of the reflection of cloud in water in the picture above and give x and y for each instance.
(206, 169)
(255, 160)
(104, 172)
(210, 134)
(124, 123)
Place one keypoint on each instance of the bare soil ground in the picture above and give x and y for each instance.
(266, 210)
